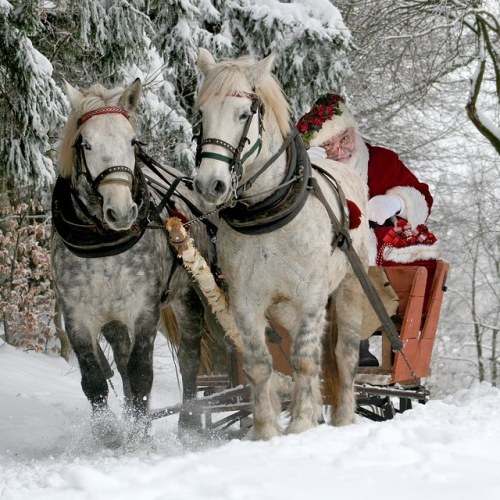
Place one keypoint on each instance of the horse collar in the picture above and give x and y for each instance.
(283, 205)
(90, 238)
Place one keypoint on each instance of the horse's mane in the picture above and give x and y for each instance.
(96, 96)
(226, 76)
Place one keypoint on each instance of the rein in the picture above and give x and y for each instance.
(344, 242)
(166, 202)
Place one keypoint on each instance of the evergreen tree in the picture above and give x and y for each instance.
(30, 101)
(308, 36)
(114, 41)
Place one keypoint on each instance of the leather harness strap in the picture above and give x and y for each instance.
(343, 240)
(86, 235)
(282, 205)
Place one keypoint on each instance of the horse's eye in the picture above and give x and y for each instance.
(86, 145)
(245, 115)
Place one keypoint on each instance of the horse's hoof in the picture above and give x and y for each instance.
(299, 425)
(138, 427)
(265, 432)
(340, 421)
(192, 439)
(106, 429)
(190, 421)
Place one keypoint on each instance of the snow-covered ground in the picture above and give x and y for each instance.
(447, 449)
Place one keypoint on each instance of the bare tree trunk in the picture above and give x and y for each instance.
(485, 47)
(478, 334)
(494, 361)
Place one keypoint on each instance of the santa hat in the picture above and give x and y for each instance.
(328, 116)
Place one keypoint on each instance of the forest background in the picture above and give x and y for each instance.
(421, 76)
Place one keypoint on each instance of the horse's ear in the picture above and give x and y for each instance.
(130, 97)
(205, 60)
(74, 95)
(260, 69)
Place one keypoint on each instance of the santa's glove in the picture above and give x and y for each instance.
(316, 153)
(384, 206)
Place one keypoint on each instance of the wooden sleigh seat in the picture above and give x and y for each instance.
(417, 321)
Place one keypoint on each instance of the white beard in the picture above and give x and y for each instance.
(358, 162)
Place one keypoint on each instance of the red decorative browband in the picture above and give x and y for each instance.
(241, 93)
(102, 111)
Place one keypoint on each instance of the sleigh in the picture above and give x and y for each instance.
(381, 392)
(124, 217)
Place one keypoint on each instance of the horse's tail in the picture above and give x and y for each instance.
(331, 388)
(169, 327)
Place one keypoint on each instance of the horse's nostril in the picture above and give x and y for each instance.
(133, 213)
(110, 215)
(219, 187)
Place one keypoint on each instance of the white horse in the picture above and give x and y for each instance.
(276, 246)
(113, 268)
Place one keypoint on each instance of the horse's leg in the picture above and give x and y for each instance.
(349, 307)
(116, 333)
(257, 365)
(190, 320)
(140, 366)
(104, 423)
(305, 410)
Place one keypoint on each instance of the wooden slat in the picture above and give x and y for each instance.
(429, 328)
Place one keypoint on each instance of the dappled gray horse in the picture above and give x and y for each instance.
(111, 269)
(276, 246)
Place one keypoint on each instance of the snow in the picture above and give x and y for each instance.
(446, 449)
(5, 7)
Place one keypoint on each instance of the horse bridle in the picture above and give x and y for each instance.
(235, 161)
(81, 161)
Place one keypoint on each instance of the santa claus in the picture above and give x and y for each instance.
(399, 204)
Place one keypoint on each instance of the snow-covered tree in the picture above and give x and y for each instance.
(114, 41)
(309, 38)
(30, 101)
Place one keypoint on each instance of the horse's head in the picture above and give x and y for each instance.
(232, 101)
(98, 149)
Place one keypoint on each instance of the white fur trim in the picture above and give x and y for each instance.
(333, 126)
(416, 209)
(406, 255)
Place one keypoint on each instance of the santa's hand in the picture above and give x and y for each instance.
(384, 206)
(316, 153)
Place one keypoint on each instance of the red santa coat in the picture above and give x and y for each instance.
(387, 174)
(387, 171)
